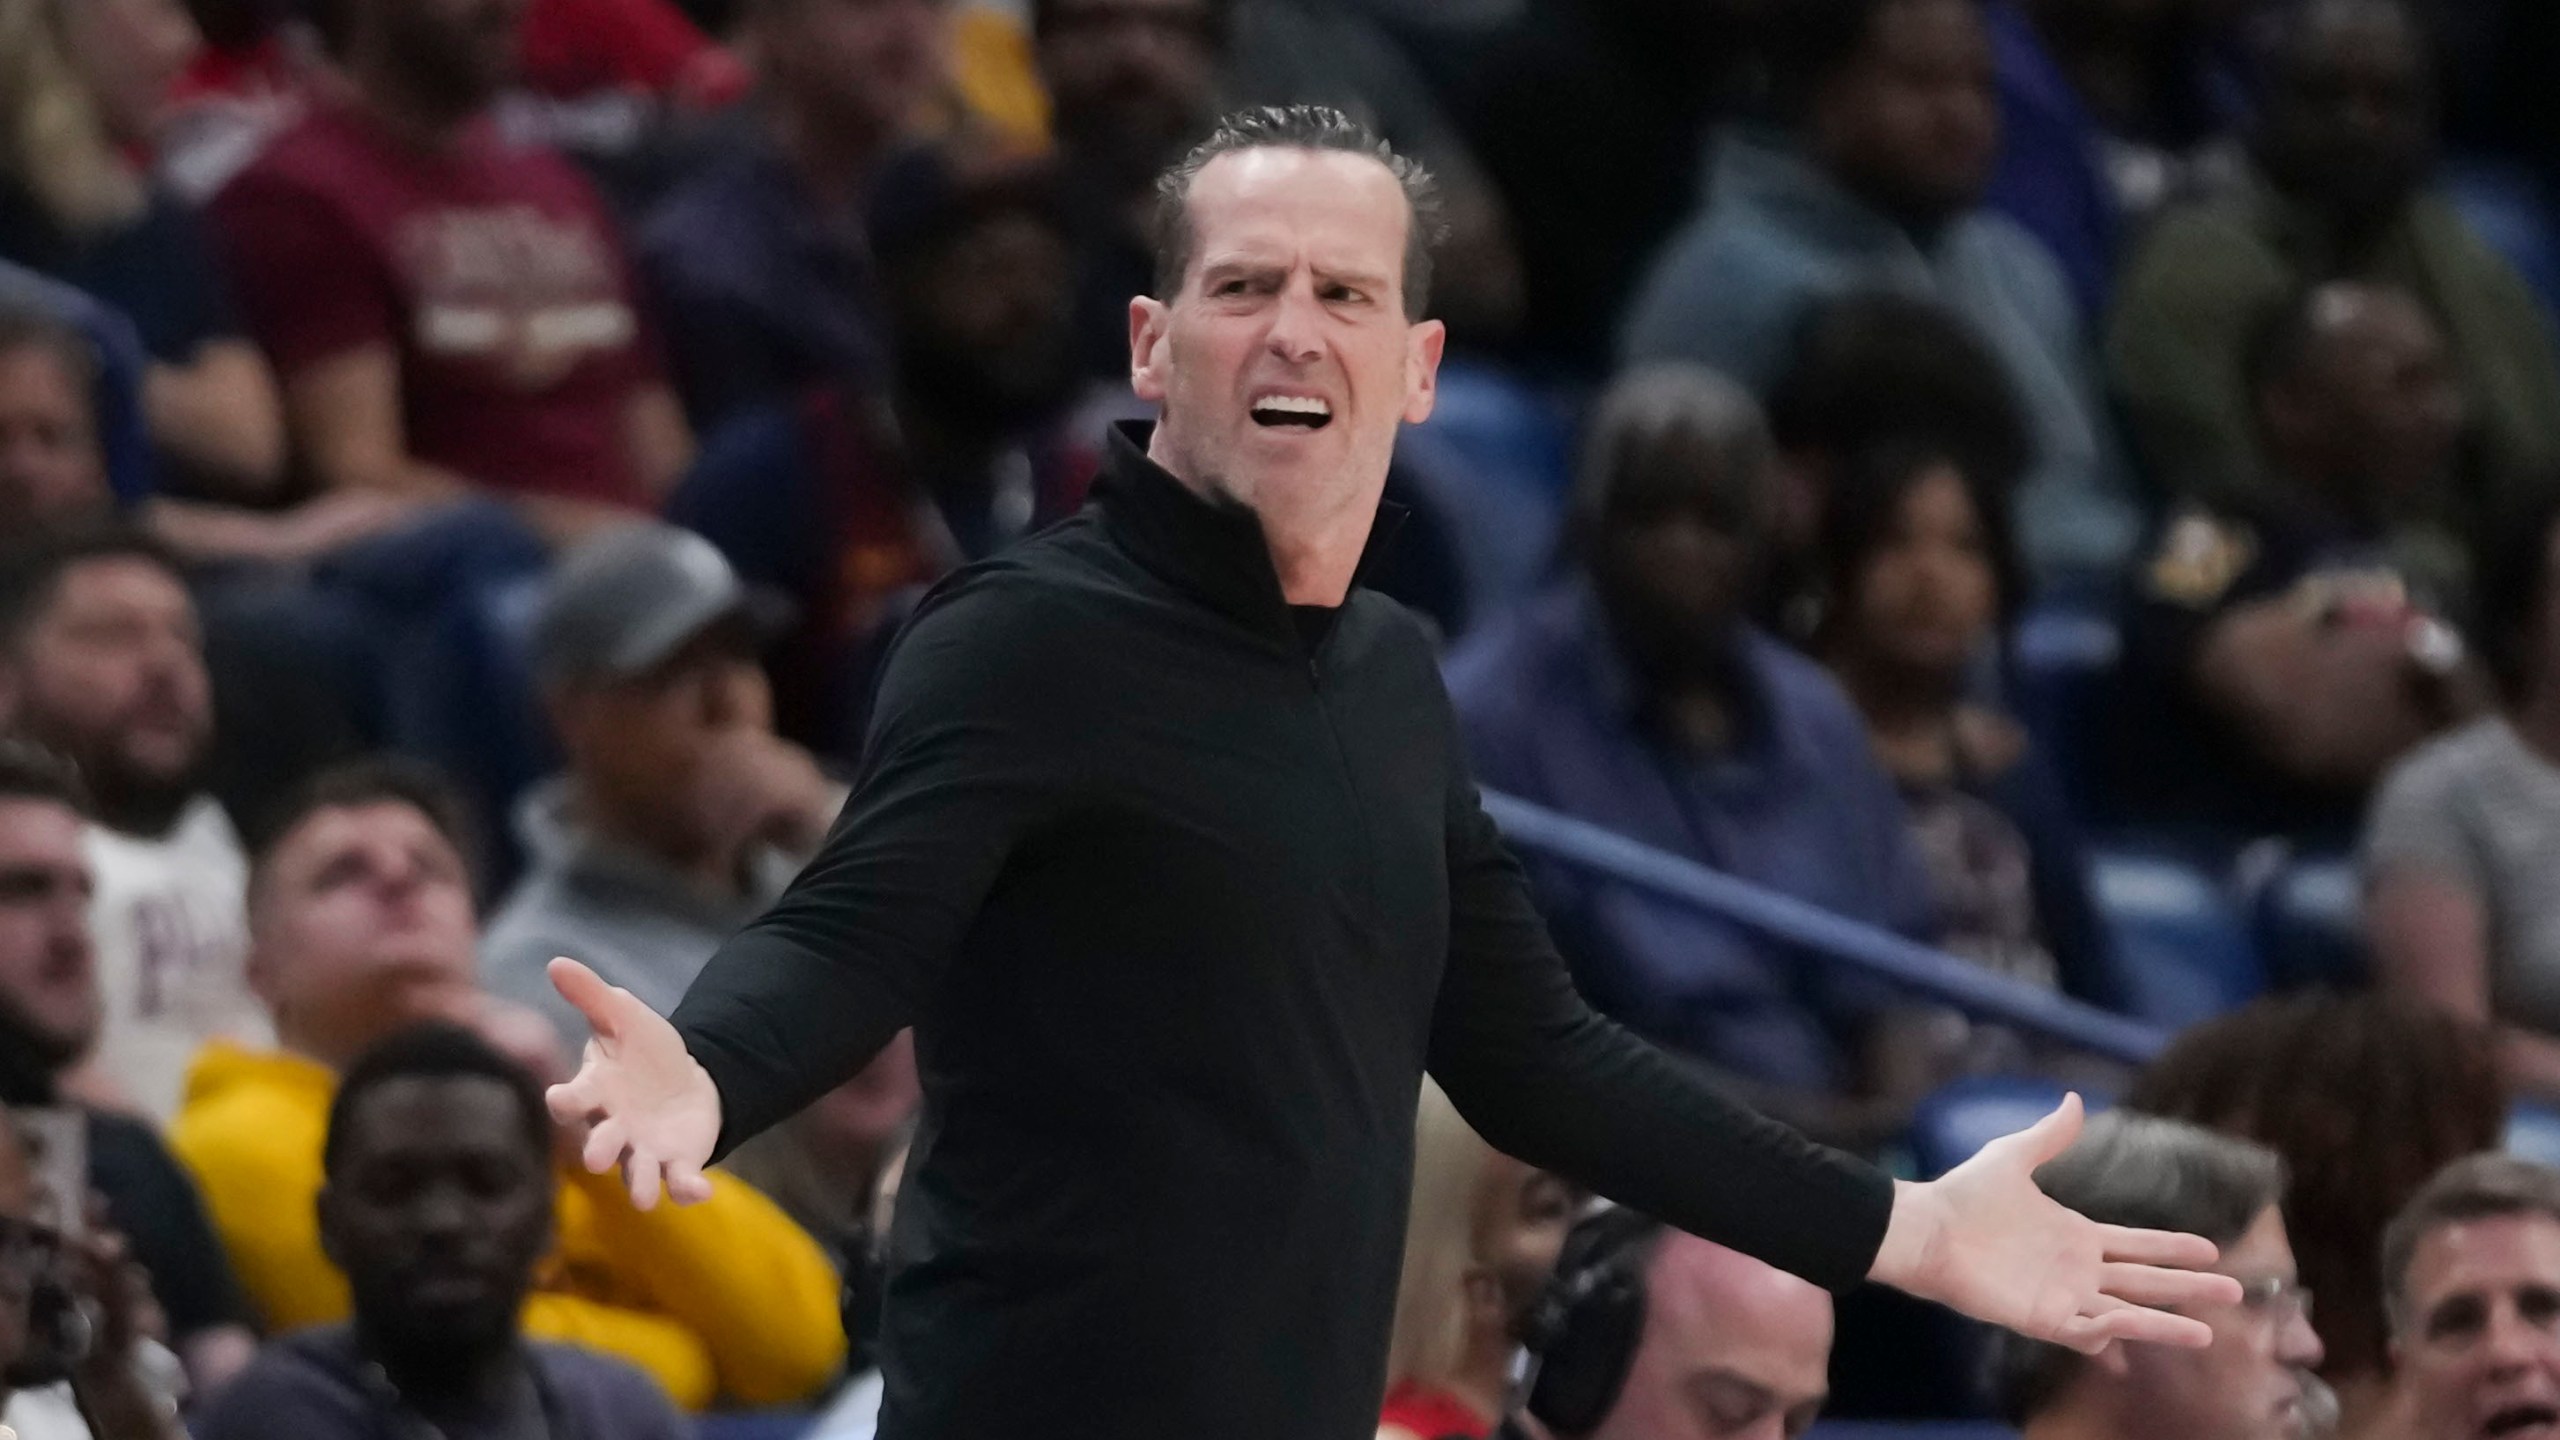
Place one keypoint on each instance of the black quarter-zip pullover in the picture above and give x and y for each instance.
(1182, 906)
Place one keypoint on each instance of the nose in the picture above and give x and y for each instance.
(2298, 1345)
(1295, 324)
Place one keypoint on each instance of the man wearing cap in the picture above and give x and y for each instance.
(1164, 845)
(681, 815)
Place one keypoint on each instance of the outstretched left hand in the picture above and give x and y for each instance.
(1984, 1240)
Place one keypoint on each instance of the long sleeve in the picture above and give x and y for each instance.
(965, 756)
(1545, 1079)
(658, 1346)
(734, 1272)
(2178, 343)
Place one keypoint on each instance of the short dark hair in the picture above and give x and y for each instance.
(1044, 17)
(1808, 42)
(1297, 127)
(433, 1051)
(25, 325)
(29, 772)
(2477, 1187)
(2151, 1174)
(2512, 587)
(1876, 368)
(31, 572)
(1650, 436)
(368, 780)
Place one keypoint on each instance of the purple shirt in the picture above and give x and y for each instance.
(1800, 806)
(314, 1385)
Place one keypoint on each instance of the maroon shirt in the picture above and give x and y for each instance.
(490, 267)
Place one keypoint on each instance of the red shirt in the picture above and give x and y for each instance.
(1431, 1413)
(491, 269)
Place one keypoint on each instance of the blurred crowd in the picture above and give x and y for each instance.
(2072, 483)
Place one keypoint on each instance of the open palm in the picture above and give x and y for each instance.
(1984, 1240)
(647, 1105)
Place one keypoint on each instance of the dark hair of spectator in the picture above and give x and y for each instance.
(31, 573)
(30, 773)
(434, 1051)
(2365, 1098)
(1297, 127)
(1045, 17)
(369, 780)
(2143, 1171)
(32, 327)
(1809, 42)
(1879, 369)
(2512, 593)
(927, 197)
(1665, 437)
(1864, 509)
(2486, 1186)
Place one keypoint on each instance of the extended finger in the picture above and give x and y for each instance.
(641, 1172)
(604, 1145)
(2157, 1285)
(2092, 1332)
(572, 1101)
(2054, 1133)
(587, 990)
(686, 1184)
(2157, 1247)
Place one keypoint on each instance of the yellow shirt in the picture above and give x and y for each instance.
(727, 1300)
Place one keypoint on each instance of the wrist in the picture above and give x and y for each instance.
(1911, 1232)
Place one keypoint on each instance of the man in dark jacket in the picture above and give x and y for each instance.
(1165, 845)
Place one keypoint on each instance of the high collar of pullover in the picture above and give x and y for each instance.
(1211, 548)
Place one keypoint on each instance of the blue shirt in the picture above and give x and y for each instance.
(759, 295)
(2051, 176)
(1780, 237)
(1549, 710)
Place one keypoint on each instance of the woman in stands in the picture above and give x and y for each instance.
(1481, 1237)
(1918, 578)
(85, 87)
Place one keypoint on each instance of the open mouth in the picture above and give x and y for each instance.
(2530, 1420)
(1287, 412)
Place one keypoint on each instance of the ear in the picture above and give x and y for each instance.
(1422, 347)
(1149, 368)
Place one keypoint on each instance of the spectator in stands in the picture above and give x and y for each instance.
(827, 1165)
(759, 263)
(2363, 1099)
(1921, 582)
(2286, 647)
(49, 1014)
(1871, 372)
(2101, 102)
(101, 661)
(438, 1205)
(1132, 83)
(2254, 1382)
(2337, 190)
(450, 310)
(2472, 1275)
(1481, 1239)
(56, 1383)
(84, 91)
(1651, 1334)
(361, 917)
(53, 470)
(1637, 696)
(116, 362)
(1876, 183)
(2466, 831)
(853, 495)
(681, 815)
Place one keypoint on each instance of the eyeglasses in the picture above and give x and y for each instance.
(2275, 1299)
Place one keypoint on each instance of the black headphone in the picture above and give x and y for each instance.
(1583, 1332)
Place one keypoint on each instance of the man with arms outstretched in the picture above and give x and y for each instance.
(1164, 845)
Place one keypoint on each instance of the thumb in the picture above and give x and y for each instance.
(2054, 1133)
(586, 989)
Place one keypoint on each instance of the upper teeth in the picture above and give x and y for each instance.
(1294, 404)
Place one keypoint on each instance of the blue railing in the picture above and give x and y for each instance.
(1918, 968)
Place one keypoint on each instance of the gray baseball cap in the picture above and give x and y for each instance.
(623, 603)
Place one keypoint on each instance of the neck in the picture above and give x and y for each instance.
(1483, 1382)
(477, 1378)
(832, 155)
(427, 121)
(639, 828)
(1894, 701)
(2073, 1423)
(1316, 556)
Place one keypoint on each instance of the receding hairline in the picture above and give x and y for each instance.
(1197, 259)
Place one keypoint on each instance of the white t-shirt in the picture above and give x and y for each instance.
(46, 1414)
(170, 923)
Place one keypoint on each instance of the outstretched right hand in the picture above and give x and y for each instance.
(646, 1103)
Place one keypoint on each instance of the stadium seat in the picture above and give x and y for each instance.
(2503, 203)
(2180, 944)
(1962, 1117)
(2309, 922)
(2059, 660)
(2533, 1132)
